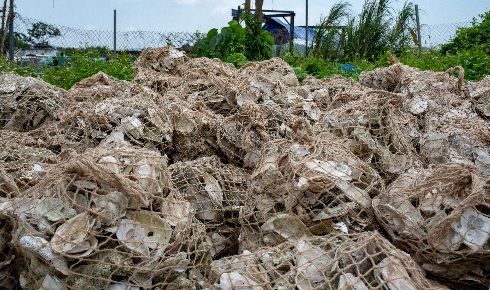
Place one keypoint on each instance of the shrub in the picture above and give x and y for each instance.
(470, 37)
(251, 42)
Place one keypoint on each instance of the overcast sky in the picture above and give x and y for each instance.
(202, 15)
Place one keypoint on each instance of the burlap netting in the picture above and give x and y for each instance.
(85, 226)
(379, 131)
(138, 118)
(23, 162)
(99, 87)
(333, 92)
(441, 216)
(321, 184)
(338, 261)
(479, 93)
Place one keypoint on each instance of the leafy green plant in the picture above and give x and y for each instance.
(475, 61)
(234, 40)
(237, 59)
(80, 66)
(323, 68)
(21, 41)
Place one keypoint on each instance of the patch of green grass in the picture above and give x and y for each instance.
(85, 65)
(322, 68)
(79, 66)
(475, 61)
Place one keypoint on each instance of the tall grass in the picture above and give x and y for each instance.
(378, 28)
(328, 41)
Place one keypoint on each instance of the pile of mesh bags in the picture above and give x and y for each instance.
(198, 175)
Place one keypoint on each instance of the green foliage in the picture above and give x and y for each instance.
(475, 61)
(7, 65)
(322, 68)
(468, 38)
(81, 65)
(237, 59)
(366, 36)
(234, 42)
(41, 32)
(99, 51)
(21, 41)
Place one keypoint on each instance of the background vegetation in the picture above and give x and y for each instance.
(345, 44)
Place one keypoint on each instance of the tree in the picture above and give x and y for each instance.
(5, 22)
(247, 6)
(20, 40)
(41, 32)
(258, 11)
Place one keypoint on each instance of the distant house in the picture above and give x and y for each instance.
(280, 29)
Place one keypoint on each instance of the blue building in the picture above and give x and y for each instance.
(280, 29)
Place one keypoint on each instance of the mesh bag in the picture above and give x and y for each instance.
(268, 80)
(332, 93)
(210, 81)
(27, 103)
(322, 183)
(380, 133)
(99, 87)
(387, 79)
(216, 193)
(147, 167)
(457, 136)
(155, 66)
(423, 91)
(441, 216)
(338, 261)
(215, 190)
(24, 163)
(138, 119)
(194, 130)
(241, 136)
(86, 227)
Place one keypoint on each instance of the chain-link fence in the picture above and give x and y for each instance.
(433, 36)
(38, 33)
(31, 32)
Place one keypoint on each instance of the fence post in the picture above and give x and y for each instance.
(307, 30)
(291, 34)
(115, 36)
(417, 18)
(12, 38)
